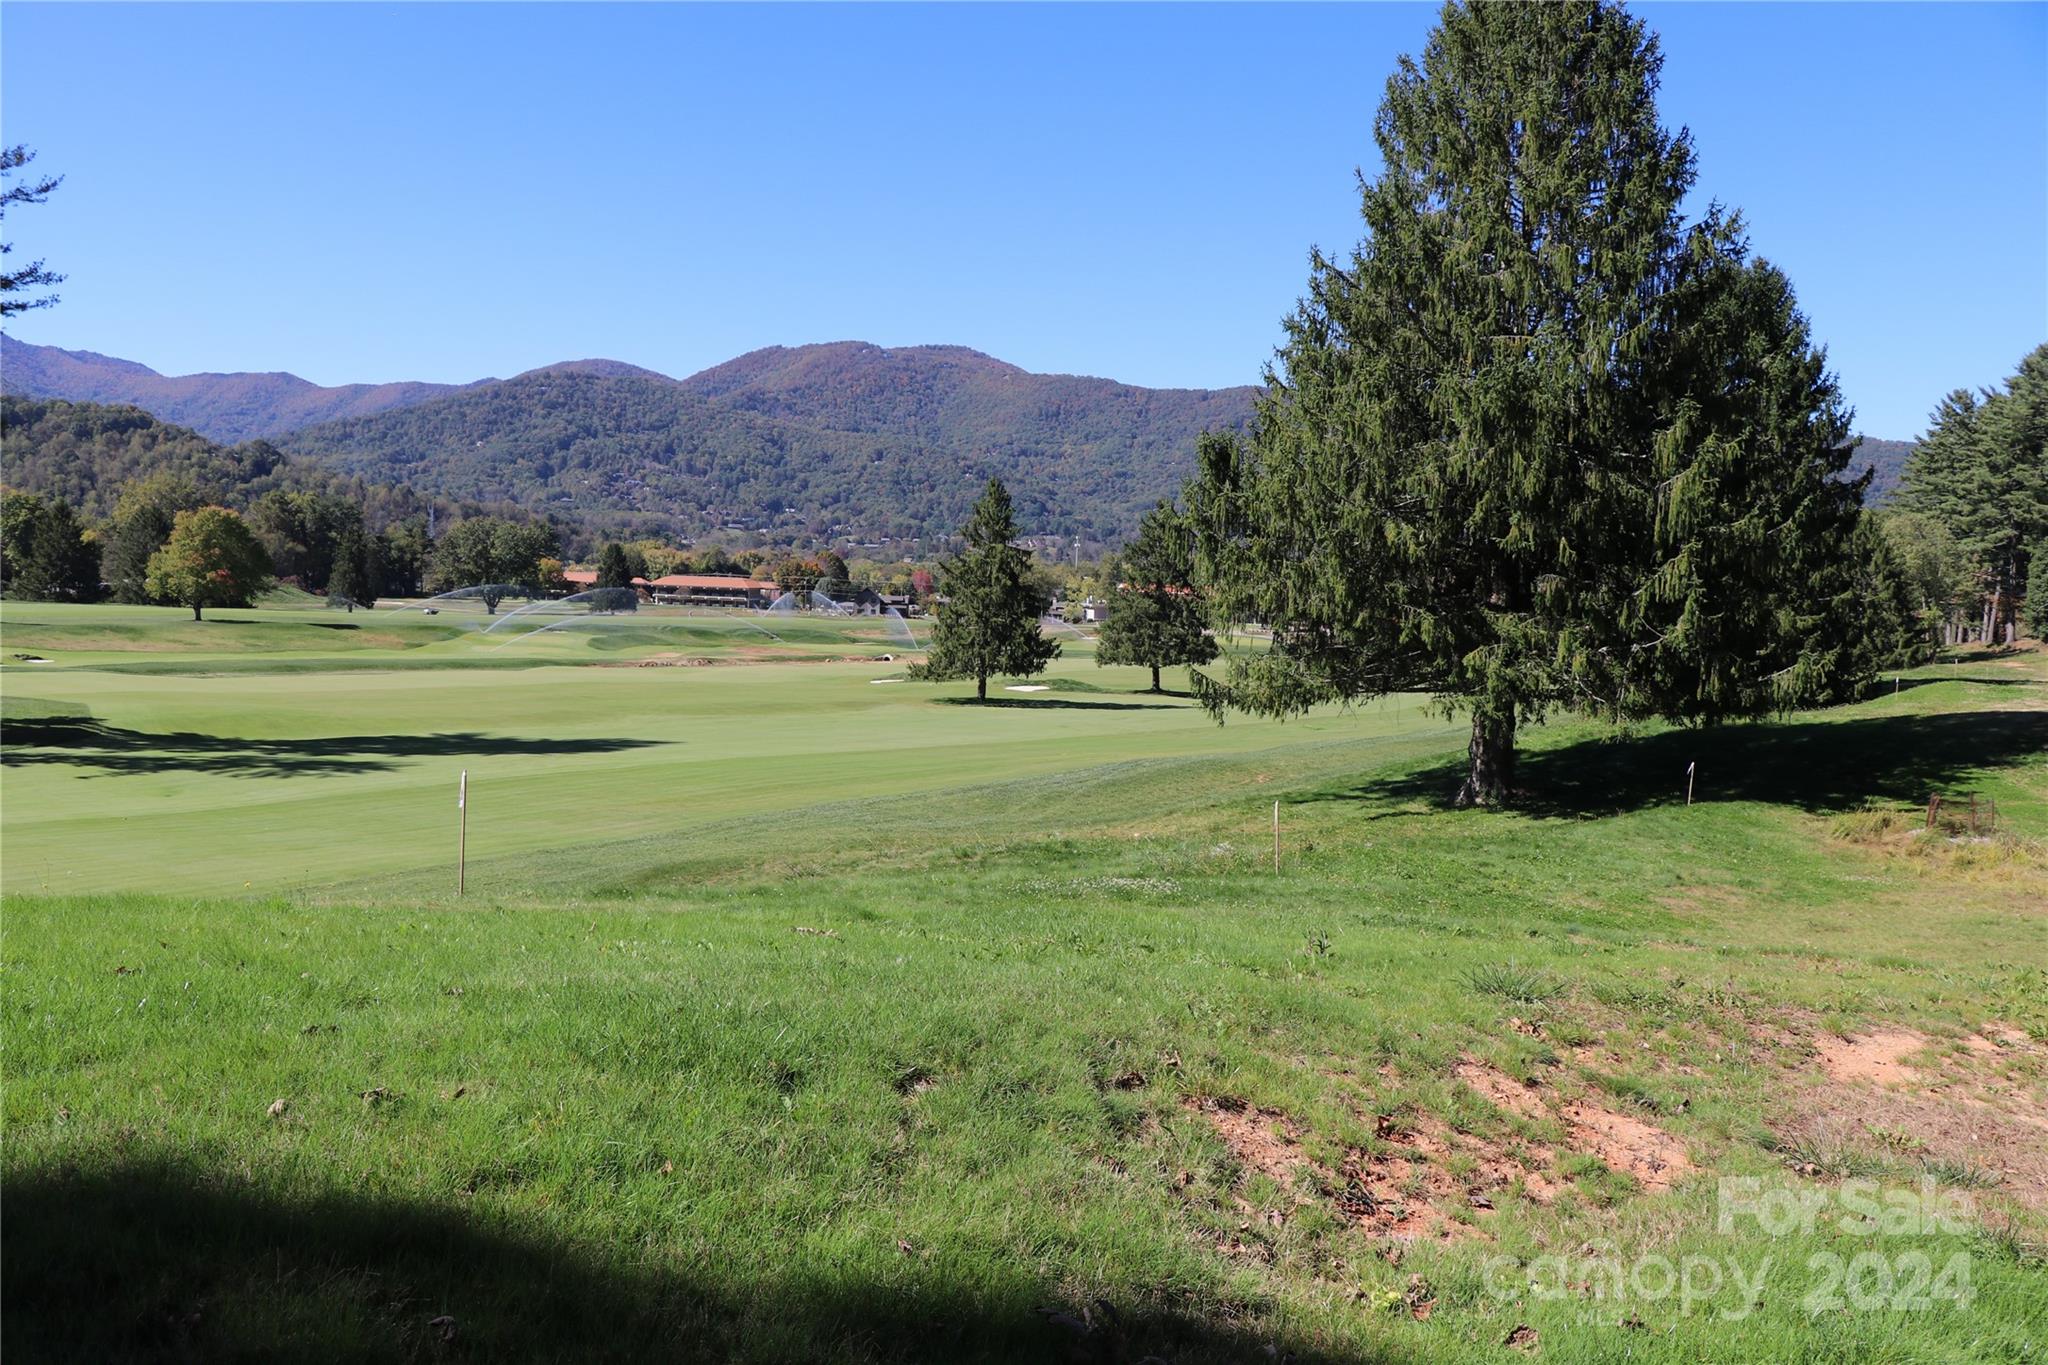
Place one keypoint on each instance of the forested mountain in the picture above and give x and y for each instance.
(842, 439)
(807, 441)
(1886, 460)
(223, 407)
(86, 453)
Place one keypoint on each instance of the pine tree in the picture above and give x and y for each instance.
(1156, 619)
(613, 570)
(987, 625)
(1981, 471)
(1540, 442)
(46, 553)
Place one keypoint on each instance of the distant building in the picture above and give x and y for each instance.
(713, 590)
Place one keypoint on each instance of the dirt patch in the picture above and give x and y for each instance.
(1621, 1141)
(1879, 1056)
(1503, 1090)
(1262, 1140)
(1627, 1144)
(1978, 1110)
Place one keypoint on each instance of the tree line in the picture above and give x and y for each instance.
(1971, 518)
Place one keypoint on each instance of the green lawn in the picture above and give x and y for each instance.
(795, 1016)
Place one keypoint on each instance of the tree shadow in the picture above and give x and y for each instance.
(87, 743)
(1882, 690)
(1818, 766)
(1056, 703)
(160, 1261)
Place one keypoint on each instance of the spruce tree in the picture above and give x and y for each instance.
(613, 568)
(1539, 442)
(987, 626)
(1156, 619)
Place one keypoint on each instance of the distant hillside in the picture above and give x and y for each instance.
(222, 407)
(86, 453)
(840, 439)
(1887, 459)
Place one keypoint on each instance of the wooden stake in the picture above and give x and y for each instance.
(1276, 838)
(462, 833)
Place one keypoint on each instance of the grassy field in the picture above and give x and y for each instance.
(800, 1014)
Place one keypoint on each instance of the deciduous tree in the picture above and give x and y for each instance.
(210, 560)
(492, 555)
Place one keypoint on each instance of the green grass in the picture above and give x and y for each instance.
(794, 1017)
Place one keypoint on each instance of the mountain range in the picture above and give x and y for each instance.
(839, 439)
(836, 440)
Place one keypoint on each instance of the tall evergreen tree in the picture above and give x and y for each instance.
(613, 569)
(1156, 619)
(988, 624)
(1540, 442)
(1981, 471)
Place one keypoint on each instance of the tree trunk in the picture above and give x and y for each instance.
(1490, 780)
(195, 611)
(1155, 677)
(981, 687)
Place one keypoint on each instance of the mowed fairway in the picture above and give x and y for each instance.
(285, 768)
(795, 1015)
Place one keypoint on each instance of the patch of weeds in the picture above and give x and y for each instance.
(1639, 1095)
(1513, 982)
(1893, 1139)
(1598, 1183)
(1962, 1173)
(2006, 1240)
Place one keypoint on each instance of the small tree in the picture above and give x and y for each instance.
(211, 560)
(1155, 617)
(988, 623)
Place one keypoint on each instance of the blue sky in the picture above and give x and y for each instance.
(359, 192)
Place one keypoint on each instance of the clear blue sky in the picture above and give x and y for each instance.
(359, 192)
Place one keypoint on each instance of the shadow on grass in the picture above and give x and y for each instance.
(1056, 703)
(87, 743)
(1818, 766)
(157, 1262)
(1886, 689)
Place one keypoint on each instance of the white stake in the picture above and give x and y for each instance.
(1688, 780)
(462, 833)
(1276, 838)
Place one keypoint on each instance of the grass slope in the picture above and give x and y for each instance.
(834, 1021)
